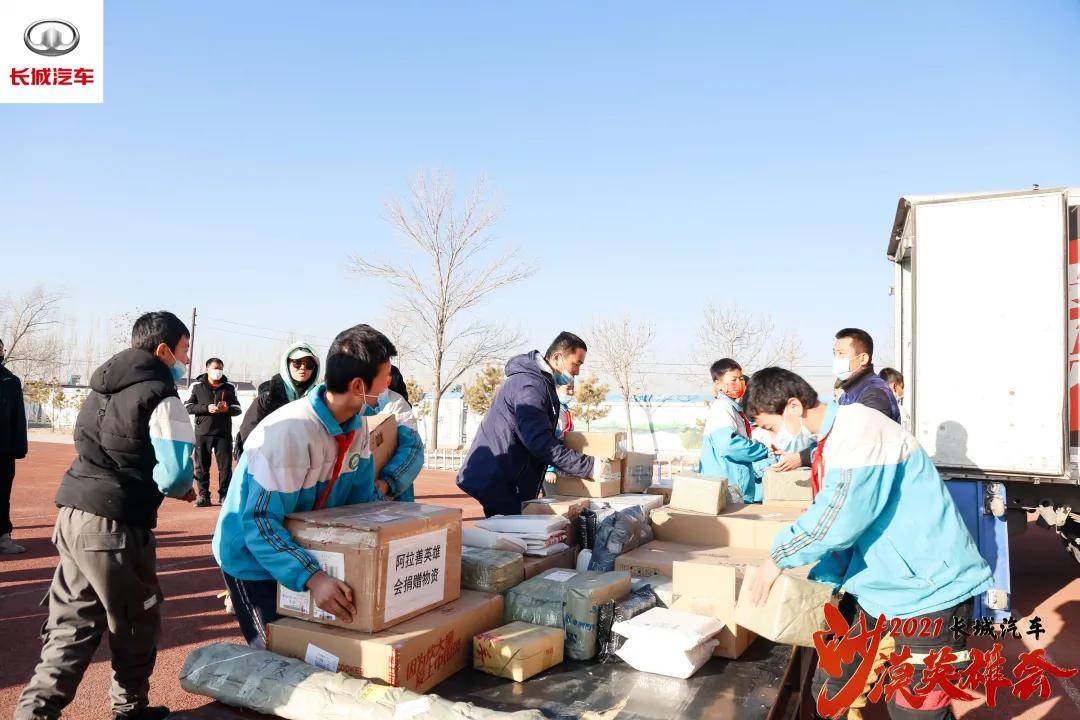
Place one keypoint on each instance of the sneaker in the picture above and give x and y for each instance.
(147, 713)
(9, 546)
(203, 501)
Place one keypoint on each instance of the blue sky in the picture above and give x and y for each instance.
(650, 158)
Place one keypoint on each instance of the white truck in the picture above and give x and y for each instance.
(987, 323)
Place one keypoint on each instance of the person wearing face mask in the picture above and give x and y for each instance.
(12, 447)
(299, 374)
(307, 455)
(214, 404)
(133, 442)
(727, 450)
(396, 478)
(895, 380)
(518, 437)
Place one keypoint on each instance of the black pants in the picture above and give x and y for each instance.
(222, 448)
(898, 709)
(7, 477)
(255, 604)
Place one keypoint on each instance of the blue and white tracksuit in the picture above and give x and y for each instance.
(408, 459)
(288, 460)
(728, 451)
(884, 527)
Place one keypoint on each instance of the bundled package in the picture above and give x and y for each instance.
(794, 611)
(585, 594)
(539, 600)
(536, 565)
(542, 534)
(641, 599)
(567, 507)
(608, 505)
(619, 533)
(518, 651)
(269, 683)
(667, 642)
(493, 571)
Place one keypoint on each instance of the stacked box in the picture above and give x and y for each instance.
(417, 654)
(564, 506)
(638, 472)
(659, 557)
(743, 526)
(400, 559)
(711, 591)
(600, 445)
(536, 565)
(582, 487)
(695, 492)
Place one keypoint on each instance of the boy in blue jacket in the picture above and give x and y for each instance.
(883, 527)
(727, 450)
(307, 455)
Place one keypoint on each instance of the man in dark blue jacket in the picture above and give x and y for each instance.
(516, 441)
(12, 448)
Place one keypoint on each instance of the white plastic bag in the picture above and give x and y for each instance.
(536, 525)
(652, 657)
(478, 537)
(666, 628)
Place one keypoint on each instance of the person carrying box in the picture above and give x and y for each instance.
(307, 455)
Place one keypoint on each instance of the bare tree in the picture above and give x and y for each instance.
(752, 340)
(450, 270)
(623, 346)
(30, 327)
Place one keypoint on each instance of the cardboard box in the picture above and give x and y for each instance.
(536, 565)
(793, 486)
(518, 651)
(699, 493)
(382, 439)
(744, 526)
(418, 654)
(565, 506)
(602, 445)
(620, 502)
(583, 487)
(400, 559)
(662, 488)
(794, 611)
(638, 472)
(660, 558)
(733, 639)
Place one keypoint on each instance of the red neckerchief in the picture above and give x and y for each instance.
(817, 466)
(343, 442)
(746, 423)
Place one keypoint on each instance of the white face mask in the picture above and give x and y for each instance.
(841, 367)
(216, 375)
(787, 442)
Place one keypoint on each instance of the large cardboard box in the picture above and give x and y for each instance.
(566, 506)
(745, 526)
(382, 439)
(733, 639)
(793, 486)
(660, 558)
(583, 487)
(400, 559)
(536, 565)
(602, 445)
(518, 651)
(699, 493)
(638, 472)
(417, 654)
(794, 611)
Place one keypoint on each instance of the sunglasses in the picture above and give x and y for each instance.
(303, 363)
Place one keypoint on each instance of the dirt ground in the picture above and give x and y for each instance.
(1045, 583)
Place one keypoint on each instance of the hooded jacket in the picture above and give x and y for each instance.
(516, 441)
(133, 440)
(12, 415)
(884, 526)
(202, 396)
(274, 393)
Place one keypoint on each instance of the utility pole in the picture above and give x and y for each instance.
(191, 349)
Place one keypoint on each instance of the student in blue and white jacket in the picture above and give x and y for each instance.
(883, 527)
(307, 455)
(727, 450)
